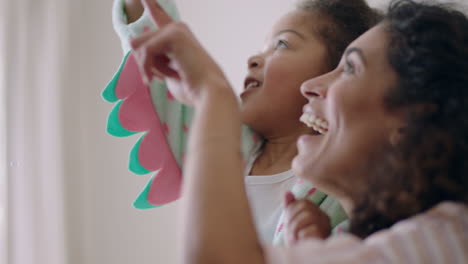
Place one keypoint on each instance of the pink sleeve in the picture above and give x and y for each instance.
(340, 249)
(438, 236)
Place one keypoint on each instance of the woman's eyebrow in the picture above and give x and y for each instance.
(359, 52)
(290, 31)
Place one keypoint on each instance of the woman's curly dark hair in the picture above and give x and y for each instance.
(343, 21)
(428, 49)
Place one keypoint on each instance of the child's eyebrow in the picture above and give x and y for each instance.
(290, 31)
(358, 51)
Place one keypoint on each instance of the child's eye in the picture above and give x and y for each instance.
(281, 44)
(348, 67)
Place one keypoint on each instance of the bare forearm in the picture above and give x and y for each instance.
(134, 9)
(218, 227)
(218, 224)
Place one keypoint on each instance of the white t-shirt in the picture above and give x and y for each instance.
(265, 193)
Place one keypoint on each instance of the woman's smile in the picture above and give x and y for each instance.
(312, 120)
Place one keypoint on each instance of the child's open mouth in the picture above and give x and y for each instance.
(251, 83)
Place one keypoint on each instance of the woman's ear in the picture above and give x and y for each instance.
(399, 123)
(396, 135)
(397, 127)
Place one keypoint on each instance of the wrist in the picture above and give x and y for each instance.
(217, 92)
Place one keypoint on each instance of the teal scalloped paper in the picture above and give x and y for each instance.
(141, 202)
(114, 127)
(134, 163)
(109, 92)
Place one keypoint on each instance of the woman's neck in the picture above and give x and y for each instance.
(348, 205)
(344, 191)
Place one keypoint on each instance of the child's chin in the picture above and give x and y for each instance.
(248, 118)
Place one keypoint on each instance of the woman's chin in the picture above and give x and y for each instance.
(298, 166)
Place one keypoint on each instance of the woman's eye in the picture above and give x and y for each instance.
(281, 44)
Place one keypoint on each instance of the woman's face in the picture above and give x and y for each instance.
(346, 108)
(293, 53)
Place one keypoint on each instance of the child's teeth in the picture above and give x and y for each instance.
(253, 84)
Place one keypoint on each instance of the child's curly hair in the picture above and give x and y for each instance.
(428, 49)
(343, 22)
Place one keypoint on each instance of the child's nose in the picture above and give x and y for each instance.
(254, 62)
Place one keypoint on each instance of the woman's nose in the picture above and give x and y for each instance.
(255, 61)
(315, 88)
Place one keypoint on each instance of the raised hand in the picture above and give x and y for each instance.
(133, 9)
(173, 52)
(303, 220)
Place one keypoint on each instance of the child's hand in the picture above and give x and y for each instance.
(173, 52)
(304, 219)
(133, 9)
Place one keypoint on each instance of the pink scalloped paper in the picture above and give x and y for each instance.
(154, 153)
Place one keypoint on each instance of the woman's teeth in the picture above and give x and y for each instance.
(318, 124)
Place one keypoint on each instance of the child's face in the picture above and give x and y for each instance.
(271, 99)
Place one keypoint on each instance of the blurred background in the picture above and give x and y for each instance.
(65, 190)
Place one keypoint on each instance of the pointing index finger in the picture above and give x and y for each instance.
(157, 13)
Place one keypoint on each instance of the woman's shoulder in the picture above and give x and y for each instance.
(449, 210)
(444, 213)
(437, 233)
(435, 236)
